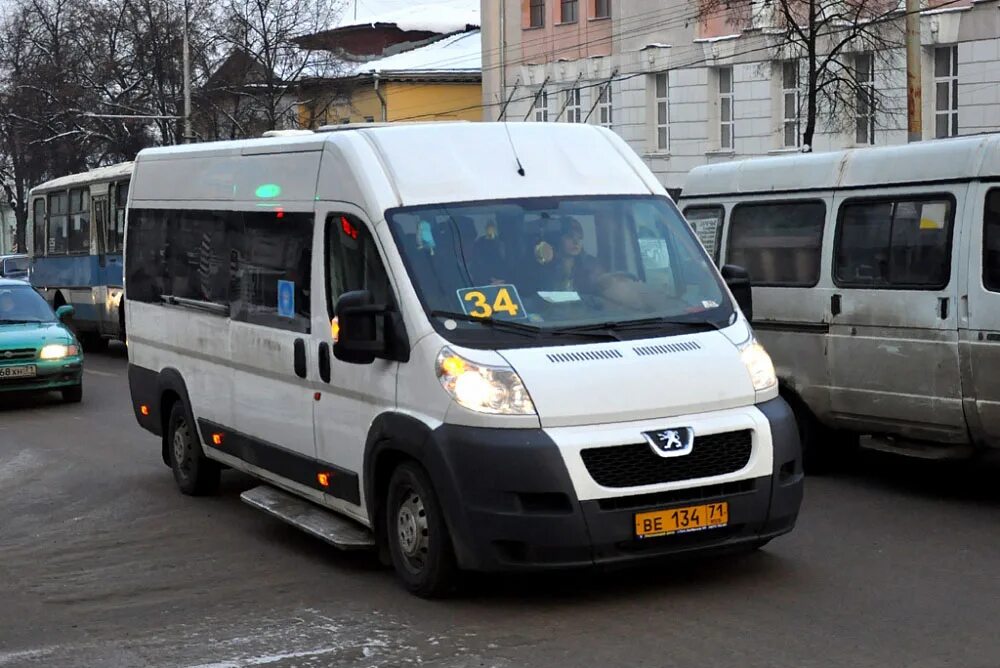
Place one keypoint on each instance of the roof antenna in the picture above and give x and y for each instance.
(520, 168)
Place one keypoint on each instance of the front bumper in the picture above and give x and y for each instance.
(511, 505)
(51, 375)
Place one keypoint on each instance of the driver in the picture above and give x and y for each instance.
(567, 267)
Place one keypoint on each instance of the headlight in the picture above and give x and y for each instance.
(57, 351)
(485, 389)
(759, 365)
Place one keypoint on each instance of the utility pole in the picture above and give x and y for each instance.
(188, 134)
(503, 56)
(914, 94)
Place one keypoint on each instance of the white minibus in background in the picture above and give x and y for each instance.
(471, 346)
(876, 284)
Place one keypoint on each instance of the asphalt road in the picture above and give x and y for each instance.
(104, 563)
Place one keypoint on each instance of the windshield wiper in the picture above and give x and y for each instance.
(500, 325)
(642, 323)
(4, 321)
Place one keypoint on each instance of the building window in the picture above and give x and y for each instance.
(662, 140)
(946, 91)
(542, 108)
(779, 243)
(894, 243)
(726, 130)
(536, 18)
(602, 9)
(568, 11)
(864, 113)
(604, 107)
(791, 101)
(573, 107)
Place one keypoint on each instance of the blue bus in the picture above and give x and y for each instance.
(76, 238)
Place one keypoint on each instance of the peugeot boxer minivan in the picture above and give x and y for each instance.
(469, 346)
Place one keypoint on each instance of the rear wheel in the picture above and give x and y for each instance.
(195, 474)
(419, 543)
(823, 449)
(93, 342)
(73, 395)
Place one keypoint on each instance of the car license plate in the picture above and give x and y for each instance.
(681, 520)
(28, 371)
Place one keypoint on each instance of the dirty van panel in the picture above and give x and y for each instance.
(983, 347)
(893, 344)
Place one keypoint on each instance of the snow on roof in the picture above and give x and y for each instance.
(108, 173)
(456, 54)
(441, 16)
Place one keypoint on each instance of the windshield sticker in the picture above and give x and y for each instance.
(654, 253)
(286, 299)
(492, 301)
(560, 297)
(425, 237)
(934, 216)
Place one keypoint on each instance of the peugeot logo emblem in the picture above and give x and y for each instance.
(671, 442)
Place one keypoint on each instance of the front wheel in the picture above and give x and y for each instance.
(419, 543)
(73, 395)
(195, 474)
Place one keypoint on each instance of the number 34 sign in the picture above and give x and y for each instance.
(492, 301)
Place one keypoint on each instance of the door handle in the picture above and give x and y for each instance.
(300, 358)
(324, 361)
(835, 305)
(943, 307)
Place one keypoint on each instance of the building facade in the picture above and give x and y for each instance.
(686, 87)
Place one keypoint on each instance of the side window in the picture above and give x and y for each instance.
(38, 227)
(991, 242)
(79, 221)
(58, 233)
(779, 243)
(198, 256)
(353, 262)
(706, 221)
(895, 243)
(116, 230)
(275, 259)
(145, 256)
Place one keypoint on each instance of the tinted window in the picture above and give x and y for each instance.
(706, 221)
(198, 256)
(58, 236)
(275, 253)
(898, 243)
(145, 260)
(15, 266)
(116, 230)
(39, 227)
(353, 262)
(991, 242)
(779, 243)
(79, 221)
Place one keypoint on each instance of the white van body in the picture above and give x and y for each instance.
(263, 394)
(876, 277)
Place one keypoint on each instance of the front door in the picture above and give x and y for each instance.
(271, 355)
(352, 396)
(981, 342)
(893, 348)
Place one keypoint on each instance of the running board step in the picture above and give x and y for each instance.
(324, 524)
(918, 449)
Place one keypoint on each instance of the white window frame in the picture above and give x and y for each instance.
(727, 128)
(661, 103)
(791, 103)
(542, 107)
(947, 107)
(864, 111)
(605, 107)
(574, 107)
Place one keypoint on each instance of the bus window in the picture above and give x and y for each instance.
(116, 230)
(58, 224)
(38, 227)
(78, 240)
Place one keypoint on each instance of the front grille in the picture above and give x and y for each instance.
(17, 355)
(636, 465)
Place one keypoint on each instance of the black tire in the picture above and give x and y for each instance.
(824, 450)
(419, 543)
(93, 342)
(73, 395)
(195, 474)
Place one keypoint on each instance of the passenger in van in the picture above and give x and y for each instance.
(488, 262)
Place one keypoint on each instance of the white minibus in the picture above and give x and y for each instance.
(469, 346)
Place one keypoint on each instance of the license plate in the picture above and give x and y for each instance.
(18, 372)
(681, 520)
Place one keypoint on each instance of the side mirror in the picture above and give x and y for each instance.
(358, 340)
(738, 280)
(64, 312)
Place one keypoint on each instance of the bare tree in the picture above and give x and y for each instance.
(843, 45)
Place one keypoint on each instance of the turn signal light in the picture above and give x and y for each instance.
(323, 479)
(217, 439)
(335, 329)
(144, 409)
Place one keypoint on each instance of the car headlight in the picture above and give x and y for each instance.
(485, 389)
(759, 365)
(57, 351)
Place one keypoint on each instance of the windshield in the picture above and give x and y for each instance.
(19, 305)
(628, 266)
(15, 265)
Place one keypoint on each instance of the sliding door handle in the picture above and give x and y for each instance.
(300, 358)
(324, 361)
(835, 306)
